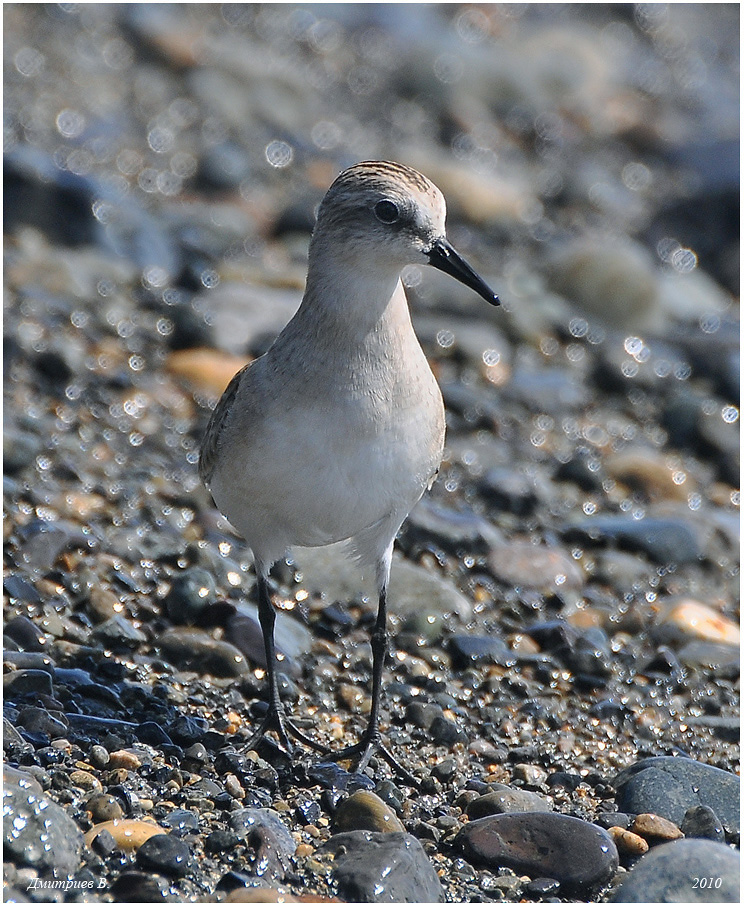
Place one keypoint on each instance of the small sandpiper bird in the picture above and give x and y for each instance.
(337, 431)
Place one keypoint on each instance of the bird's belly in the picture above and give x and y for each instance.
(317, 479)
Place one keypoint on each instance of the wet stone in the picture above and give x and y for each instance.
(269, 837)
(473, 650)
(446, 732)
(36, 831)
(507, 800)
(197, 651)
(655, 828)
(25, 682)
(628, 842)
(167, 854)
(119, 633)
(25, 632)
(535, 567)
(42, 542)
(365, 811)
(668, 786)
(702, 822)
(383, 868)
(454, 530)
(507, 489)
(579, 855)
(683, 872)
(139, 888)
(665, 541)
(190, 593)
(103, 807)
(334, 778)
(181, 820)
(39, 721)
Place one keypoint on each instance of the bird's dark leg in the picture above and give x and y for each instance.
(371, 743)
(276, 718)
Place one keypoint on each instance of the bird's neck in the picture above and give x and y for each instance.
(357, 300)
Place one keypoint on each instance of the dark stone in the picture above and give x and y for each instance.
(334, 778)
(383, 868)
(507, 489)
(577, 854)
(104, 843)
(195, 650)
(674, 873)
(139, 888)
(25, 632)
(181, 820)
(542, 888)
(446, 732)
(190, 593)
(665, 541)
(308, 810)
(702, 822)
(151, 732)
(506, 800)
(21, 683)
(669, 786)
(269, 837)
(221, 841)
(18, 588)
(591, 654)
(614, 820)
(187, 729)
(43, 542)
(467, 651)
(39, 721)
(119, 633)
(167, 854)
(422, 714)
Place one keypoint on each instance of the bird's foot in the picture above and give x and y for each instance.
(371, 745)
(276, 720)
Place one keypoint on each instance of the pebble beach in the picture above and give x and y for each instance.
(563, 681)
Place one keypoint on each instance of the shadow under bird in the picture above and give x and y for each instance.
(338, 429)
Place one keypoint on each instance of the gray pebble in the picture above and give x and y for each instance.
(507, 800)
(702, 822)
(167, 854)
(23, 682)
(579, 855)
(196, 650)
(37, 831)
(268, 836)
(669, 786)
(682, 871)
(383, 868)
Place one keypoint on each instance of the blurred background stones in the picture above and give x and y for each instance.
(565, 601)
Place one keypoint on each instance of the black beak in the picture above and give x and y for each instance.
(443, 256)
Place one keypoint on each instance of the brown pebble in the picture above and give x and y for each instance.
(627, 842)
(304, 850)
(129, 834)
(211, 370)
(84, 780)
(124, 759)
(651, 826)
(258, 896)
(365, 811)
(104, 807)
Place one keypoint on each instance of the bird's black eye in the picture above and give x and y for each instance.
(386, 211)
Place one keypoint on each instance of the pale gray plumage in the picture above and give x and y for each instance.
(336, 432)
